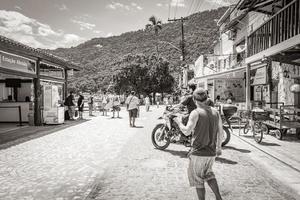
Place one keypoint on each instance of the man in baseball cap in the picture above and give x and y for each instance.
(205, 126)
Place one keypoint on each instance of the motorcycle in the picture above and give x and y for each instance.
(169, 132)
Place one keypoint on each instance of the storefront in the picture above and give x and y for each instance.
(259, 83)
(33, 84)
(224, 84)
(270, 83)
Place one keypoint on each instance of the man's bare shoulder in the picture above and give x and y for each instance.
(194, 114)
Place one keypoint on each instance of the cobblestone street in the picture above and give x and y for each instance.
(104, 159)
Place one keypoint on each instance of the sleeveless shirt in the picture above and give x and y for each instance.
(204, 138)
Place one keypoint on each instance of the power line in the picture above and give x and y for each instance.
(182, 35)
(189, 10)
(196, 5)
(169, 8)
(176, 9)
(199, 5)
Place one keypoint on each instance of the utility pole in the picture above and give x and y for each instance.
(182, 19)
(182, 34)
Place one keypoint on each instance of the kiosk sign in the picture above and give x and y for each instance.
(16, 63)
(258, 76)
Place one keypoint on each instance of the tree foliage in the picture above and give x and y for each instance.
(99, 55)
(144, 74)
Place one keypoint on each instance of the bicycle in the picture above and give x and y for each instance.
(254, 123)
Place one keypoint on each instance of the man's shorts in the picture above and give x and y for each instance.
(133, 113)
(200, 170)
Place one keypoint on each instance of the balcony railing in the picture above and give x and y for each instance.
(219, 63)
(282, 26)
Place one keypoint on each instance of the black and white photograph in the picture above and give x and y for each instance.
(149, 99)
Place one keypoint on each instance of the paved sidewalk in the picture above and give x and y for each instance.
(279, 157)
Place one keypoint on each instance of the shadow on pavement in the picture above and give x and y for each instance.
(226, 161)
(291, 138)
(247, 136)
(269, 144)
(15, 137)
(237, 149)
(181, 154)
(115, 118)
(138, 127)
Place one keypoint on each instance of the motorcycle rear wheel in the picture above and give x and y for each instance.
(227, 136)
(156, 135)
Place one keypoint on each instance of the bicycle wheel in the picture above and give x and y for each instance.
(265, 129)
(247, 127)
(258, 132)
(279, 133)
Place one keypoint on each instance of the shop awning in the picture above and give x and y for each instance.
(227, 73)
(17, 47)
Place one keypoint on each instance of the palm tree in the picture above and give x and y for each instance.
(155, 25)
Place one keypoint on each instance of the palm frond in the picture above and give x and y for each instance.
(153, 19)
(148, 26)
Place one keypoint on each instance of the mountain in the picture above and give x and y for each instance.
(99, 55)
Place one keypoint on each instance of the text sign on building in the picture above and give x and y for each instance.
(16, 63)
(258, 76)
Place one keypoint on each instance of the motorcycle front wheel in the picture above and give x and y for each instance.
(159, 137)
(227, 136)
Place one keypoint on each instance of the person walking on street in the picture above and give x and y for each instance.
(147, 103)
(70, 102)
(132, 103)
(205, 125)
(116, 106)
(104, 102)
(91, 104)
(80, 105)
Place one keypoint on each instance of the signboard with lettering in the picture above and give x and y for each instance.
(16, 63)
(258, 76)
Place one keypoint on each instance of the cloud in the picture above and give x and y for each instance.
(139, 8)
(179, 3)
(14, 21)
(45, 30)
(31, 32)
(117, 5)
(62, 7)
(97, 31)
(84, 25)
(70, 39)
(109, 35)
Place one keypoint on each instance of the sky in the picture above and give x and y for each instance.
(50, 24)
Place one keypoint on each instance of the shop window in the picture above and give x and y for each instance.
(51, 71)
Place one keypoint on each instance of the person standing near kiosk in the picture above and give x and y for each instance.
(70, 102)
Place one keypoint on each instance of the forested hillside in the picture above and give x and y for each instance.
(97, 56)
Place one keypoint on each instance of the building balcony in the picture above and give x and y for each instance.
(211, 64)
(278, 36)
